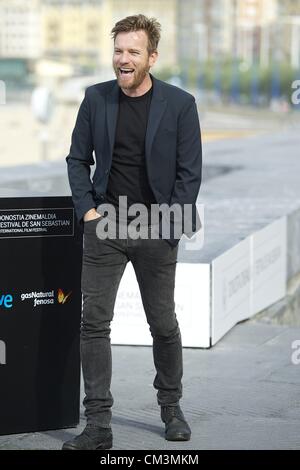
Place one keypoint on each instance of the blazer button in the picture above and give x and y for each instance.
(106, 172)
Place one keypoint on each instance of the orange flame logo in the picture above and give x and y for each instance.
(61, 297)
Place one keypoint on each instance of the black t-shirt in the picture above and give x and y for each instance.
(128, 173)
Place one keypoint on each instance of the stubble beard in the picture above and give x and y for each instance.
(138, 78)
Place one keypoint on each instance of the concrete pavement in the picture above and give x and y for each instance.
(244, 392)
(241, 394)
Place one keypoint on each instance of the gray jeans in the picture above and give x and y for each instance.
(104, 261)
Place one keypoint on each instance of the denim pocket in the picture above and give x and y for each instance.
(92, 220)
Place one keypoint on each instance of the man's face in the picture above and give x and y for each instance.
(131, 61)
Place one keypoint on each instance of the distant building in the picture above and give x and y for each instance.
(250, 30)
(268, 31)
(79, 32)
(201, 29)
(254, 20)
(20, 29)
(287, 32)
(72, 31)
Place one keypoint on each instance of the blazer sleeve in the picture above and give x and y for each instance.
(79, 161)
(188, 166)
(189, 156)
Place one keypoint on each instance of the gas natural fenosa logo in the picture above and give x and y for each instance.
(62, 297)
(39, 298)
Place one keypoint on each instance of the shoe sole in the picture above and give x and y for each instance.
(103, 446)
(179, 437)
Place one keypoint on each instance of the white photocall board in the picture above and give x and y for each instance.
(192, 307)
(269, 250)
(230, 289)
(244, 280)
(249, 277)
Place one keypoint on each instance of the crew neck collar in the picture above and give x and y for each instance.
(137, 97)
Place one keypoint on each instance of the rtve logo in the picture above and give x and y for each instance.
(6, 300)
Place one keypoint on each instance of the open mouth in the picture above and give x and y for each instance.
(126, 72)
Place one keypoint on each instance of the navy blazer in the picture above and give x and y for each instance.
(173, 153)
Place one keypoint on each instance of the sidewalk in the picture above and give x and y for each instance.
(241, 394)
(244, 392)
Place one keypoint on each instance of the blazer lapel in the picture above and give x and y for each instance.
(112, 106)
(157, 108)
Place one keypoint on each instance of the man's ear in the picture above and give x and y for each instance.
(153, 58)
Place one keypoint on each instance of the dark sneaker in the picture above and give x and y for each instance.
(177, 429)
(92, 438)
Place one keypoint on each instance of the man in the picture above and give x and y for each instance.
(146, 138)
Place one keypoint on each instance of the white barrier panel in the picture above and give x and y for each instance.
(230, 289)
(245, 279)
(192, 299)
(269, 258)
(249, 277)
